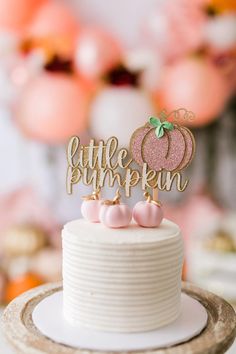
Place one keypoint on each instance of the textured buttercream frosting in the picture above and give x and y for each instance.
(121, 280)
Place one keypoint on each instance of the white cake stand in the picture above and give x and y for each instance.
(34, 317)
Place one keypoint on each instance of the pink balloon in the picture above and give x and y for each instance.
(176, 28)
(16, 14)
(52, 108)
(197, 85)
(97, 51)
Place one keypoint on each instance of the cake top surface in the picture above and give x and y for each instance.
(98, 233)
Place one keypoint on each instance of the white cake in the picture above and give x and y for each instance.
(121, 280)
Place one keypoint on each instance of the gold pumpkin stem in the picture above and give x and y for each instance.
(115, 201)
(96, 194)
(148, 197)
(93, 196)
(150, 200)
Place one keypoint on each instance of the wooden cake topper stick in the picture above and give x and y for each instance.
(155, 194)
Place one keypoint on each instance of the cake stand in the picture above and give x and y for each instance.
(22, 334)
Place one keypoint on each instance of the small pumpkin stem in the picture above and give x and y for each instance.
(150, 200)
(148, 197)
(116, 200)
(93, 196)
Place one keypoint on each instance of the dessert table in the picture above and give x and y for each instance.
(25, 338)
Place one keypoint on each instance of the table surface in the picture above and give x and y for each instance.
(6, 349)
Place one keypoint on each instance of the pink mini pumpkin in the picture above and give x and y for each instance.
(115, 215)
(90, 207)
(148, 213)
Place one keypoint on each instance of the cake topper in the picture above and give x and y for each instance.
(158, 152)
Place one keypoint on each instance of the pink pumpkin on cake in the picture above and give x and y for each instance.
(90, 207)
(115, 215)
(148, 213)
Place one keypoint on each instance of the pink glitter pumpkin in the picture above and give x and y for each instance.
(173, 151)
(90, 207)
(148, 213)
(115, 215)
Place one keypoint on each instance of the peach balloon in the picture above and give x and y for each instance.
(52, 108)
(115, 216)
(16, 14)
(97, 52)
(197, 85)
(55, 21)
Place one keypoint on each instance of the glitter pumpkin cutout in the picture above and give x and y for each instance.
(171, 149)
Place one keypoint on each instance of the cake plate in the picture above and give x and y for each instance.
(25, 337)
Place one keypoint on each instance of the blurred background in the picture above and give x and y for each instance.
(99, 68)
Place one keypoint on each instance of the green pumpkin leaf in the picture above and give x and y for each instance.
(159, 131)
(168, 125)
(155, 122)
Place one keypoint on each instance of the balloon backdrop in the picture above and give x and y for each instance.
(56, 23)
(52, 108)
(176, 27)
(16, 14)
(118, 111)
(97, 52)
(221, 32)
(196, 85)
